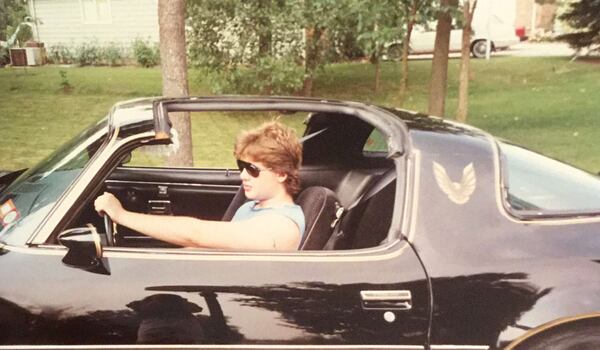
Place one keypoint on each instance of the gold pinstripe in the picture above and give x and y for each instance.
(549, 325)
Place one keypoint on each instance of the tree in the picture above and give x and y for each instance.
(378, 24)
(415, 11)
(584, 16)
(12, 13)
(252, 46)
(171, 23)
(463, 87)
(439, 63)
(318, 17)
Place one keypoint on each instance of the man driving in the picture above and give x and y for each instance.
(269, 159)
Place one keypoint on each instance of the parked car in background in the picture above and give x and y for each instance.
(493, 20)
(421, 234)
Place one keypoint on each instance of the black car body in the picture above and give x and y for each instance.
(473, 243)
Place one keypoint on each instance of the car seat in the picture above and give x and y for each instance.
(319, 204)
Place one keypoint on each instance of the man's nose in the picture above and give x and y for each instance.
(244, 174)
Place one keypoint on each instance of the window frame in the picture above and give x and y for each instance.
(98, 20)
(393, 246)
(115, 151)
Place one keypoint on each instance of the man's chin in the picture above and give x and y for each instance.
(250, 195)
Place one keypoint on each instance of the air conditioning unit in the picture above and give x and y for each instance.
(27, 56)
(34, 56)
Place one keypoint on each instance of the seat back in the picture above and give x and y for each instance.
(366, 222)
(319, 205)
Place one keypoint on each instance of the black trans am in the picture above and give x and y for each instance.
(432, 235)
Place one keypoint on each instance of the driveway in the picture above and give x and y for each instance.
(522, 49)
(529, 49)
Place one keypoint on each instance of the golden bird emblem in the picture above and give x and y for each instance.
(458, 192)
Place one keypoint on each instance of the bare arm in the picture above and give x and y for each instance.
(262, 232)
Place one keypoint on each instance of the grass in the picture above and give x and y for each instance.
(547, 104)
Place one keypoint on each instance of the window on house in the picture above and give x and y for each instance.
(95, 11)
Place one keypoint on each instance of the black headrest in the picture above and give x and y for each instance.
(319, 205)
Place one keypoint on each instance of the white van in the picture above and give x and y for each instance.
(493, 19)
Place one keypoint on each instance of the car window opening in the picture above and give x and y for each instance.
(345, 170)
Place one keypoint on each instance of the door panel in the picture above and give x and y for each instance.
(217, 298)
(200, 193)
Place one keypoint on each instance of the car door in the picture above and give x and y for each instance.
(161, 295)
(157, 296)
(422, 40)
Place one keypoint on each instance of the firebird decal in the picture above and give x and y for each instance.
(458, 192)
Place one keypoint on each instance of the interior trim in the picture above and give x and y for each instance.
(224, 187)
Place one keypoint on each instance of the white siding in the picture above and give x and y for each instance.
(62, 22)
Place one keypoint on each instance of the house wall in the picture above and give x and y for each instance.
(63, 22)
(535, 17)
(524, 12)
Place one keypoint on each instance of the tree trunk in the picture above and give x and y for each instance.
(171, 20)
(377, 74)
(265, 40)
(265, 34)
(405, 49)
(463, 87)
(439, 64)
(312, 52)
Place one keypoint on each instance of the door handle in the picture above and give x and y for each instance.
(386, 299)
(159, 207)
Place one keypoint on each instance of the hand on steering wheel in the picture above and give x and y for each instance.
(109, 228)
(108, 203)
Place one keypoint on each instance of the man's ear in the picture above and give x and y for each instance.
(281, 177)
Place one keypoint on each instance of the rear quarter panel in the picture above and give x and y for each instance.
(495, 277)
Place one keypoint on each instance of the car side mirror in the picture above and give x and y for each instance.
(84, 250)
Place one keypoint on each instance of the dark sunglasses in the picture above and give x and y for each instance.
(252, 169)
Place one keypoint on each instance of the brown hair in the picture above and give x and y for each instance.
(277, 147)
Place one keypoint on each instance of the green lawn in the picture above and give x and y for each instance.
(548, 104)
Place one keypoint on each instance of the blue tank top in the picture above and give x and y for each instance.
(293, 211)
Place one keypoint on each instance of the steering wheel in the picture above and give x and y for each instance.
(109, 229)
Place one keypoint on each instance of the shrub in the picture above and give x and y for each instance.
(4, 56)
(146, 55)
(113, 55)
(60, 54)
(65, 85)
(88, 54)
(268, 76)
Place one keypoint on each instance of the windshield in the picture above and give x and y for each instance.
(27, 201)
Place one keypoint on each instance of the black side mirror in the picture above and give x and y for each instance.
(84, 250)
